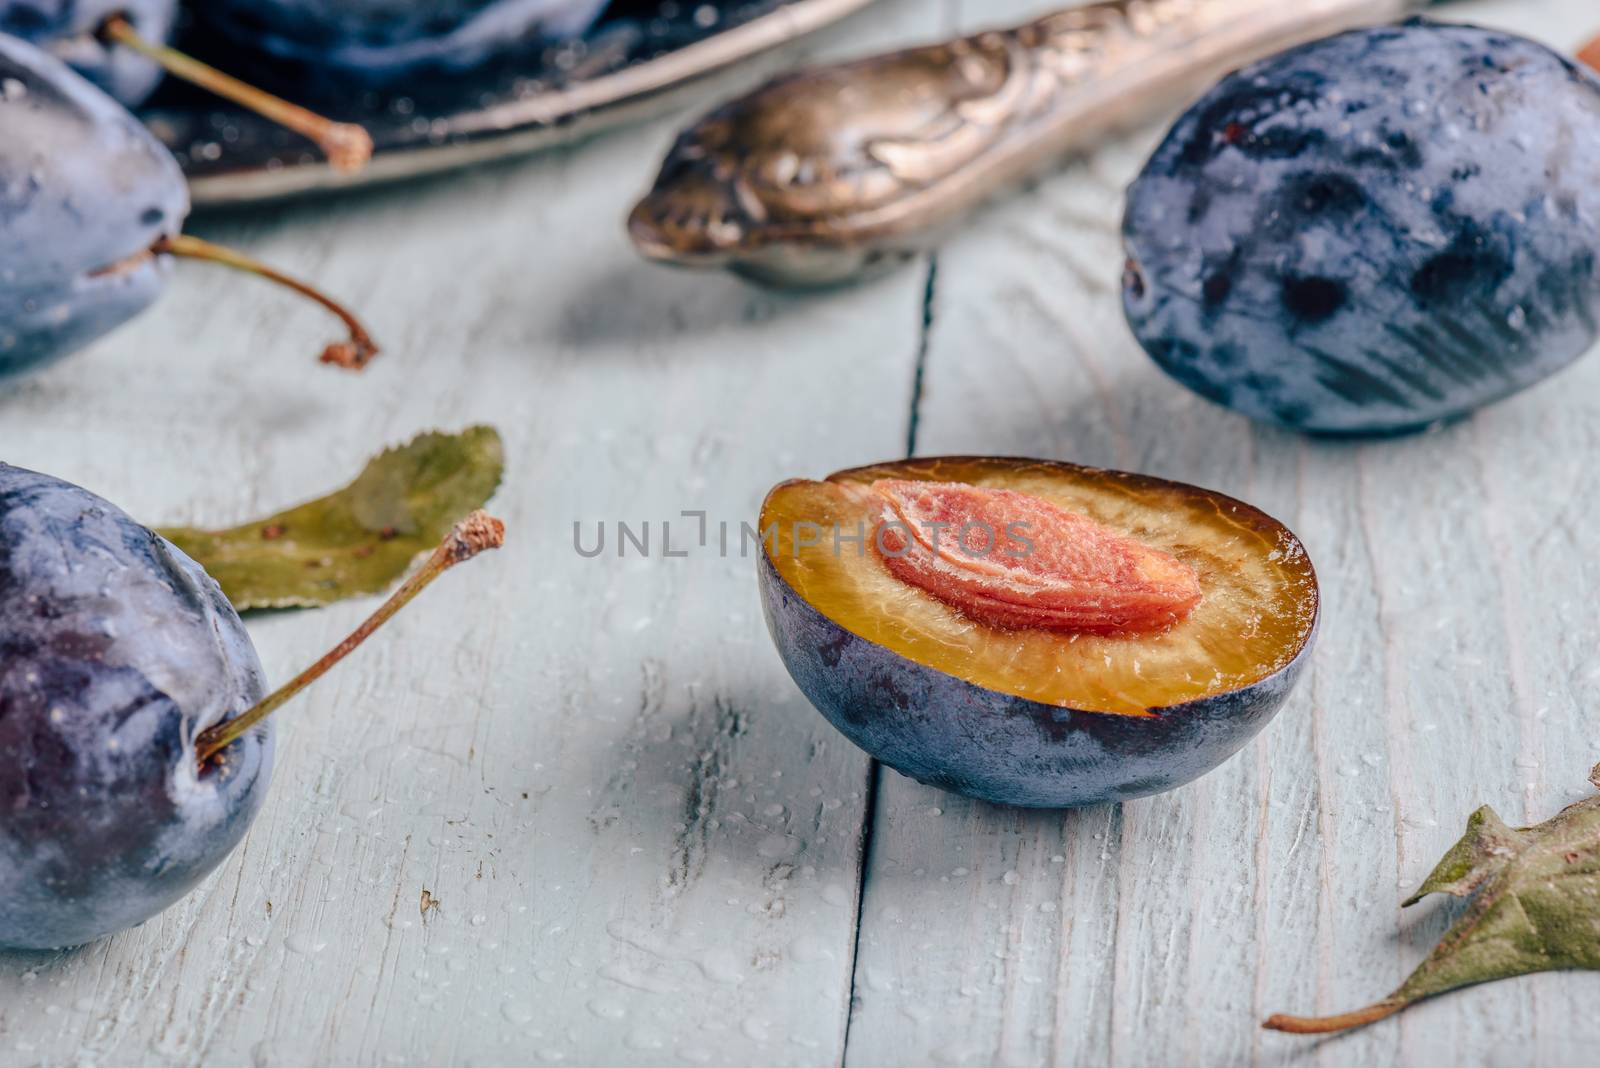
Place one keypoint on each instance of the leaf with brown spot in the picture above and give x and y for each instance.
(360, 539)
(1536, 909)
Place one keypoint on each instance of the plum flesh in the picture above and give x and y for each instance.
(116, 650)
(85, 192)
(1373, 232)
(1036, 717)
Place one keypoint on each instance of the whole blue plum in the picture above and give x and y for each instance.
(381, 43)
(70, 30)
(85, 192)
(116, 650)
(1375, 231)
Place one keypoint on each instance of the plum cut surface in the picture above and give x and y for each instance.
(1256, 613)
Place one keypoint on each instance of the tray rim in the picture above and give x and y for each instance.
(544, 120)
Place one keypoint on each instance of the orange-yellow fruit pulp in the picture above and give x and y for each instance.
(1255, 613)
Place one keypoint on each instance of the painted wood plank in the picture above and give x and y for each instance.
(1453, 669)
(638, 707)
(642, 844)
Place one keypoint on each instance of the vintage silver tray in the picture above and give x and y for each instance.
(635, 62)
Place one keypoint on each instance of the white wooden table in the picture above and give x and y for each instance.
(646, 847)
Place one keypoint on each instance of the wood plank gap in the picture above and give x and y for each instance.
(869, 823)
(929, 291)
(869, 806)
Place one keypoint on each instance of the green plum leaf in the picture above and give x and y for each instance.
(360, 539)
(1535, 908)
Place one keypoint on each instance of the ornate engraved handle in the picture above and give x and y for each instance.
(823, 175)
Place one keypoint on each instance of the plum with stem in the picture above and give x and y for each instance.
(133, 752)
(70, 30)
(123, 47)
(386, 44)
(93, 205)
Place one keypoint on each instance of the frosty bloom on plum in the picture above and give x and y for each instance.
(1373, 232)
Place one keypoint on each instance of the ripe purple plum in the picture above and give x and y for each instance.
(93, 205)
(1373, 232)
(134, 748)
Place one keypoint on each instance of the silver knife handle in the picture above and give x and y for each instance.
(825, 174)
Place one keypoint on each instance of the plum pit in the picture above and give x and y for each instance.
(1016, 560)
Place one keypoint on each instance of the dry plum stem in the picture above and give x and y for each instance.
(1323, 1025)
(352, 355)
(471, 536)
(347, 146)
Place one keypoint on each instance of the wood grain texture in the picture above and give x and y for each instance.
(1452, 670)
(643, 845)
(645, 848)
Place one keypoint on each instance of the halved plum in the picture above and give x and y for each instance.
(1079, 636)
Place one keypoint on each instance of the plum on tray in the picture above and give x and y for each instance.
(70, 30)
(1035, 633)
(1375, 231)
(92, 205)
(383, 43)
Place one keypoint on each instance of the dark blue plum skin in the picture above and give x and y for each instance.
(1373, 232)
(85, 190)
(67, 30)
(381, 43)
(954, 735)
(116, 650)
